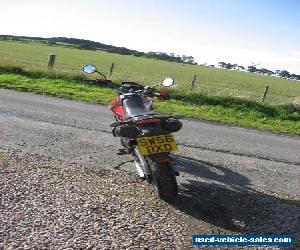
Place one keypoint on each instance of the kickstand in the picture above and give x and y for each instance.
(122, 163)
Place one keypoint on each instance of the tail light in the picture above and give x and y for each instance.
(150, 120)
(165, 160)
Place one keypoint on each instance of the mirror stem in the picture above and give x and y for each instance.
(101, 74)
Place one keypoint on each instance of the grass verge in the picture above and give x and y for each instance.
(263, 116)
(289, 201)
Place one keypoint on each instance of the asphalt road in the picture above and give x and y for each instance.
(212, 155)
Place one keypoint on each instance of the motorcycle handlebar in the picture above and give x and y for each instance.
(147, 91)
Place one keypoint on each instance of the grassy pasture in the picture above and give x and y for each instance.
(33, 56)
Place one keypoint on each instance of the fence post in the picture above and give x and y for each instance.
(112, 66)
(193, 81)
(265, 94)
(51, 61)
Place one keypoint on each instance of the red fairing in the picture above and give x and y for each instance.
(116, 107)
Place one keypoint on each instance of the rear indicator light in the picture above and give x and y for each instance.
(165, 160)
(163, 95)
(171, 125)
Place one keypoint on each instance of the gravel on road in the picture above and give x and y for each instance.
(47, 203)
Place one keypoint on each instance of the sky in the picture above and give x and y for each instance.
(261, 32)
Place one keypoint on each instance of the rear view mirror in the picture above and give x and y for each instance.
(89, 69)
(168, 82)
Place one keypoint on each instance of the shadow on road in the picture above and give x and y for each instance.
(218, 176)
(224, 198)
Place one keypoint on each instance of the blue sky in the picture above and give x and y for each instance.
(266, 32)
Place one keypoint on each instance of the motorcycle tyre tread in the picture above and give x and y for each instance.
(163, 181)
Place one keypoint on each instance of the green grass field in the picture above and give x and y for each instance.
(225, 96)
(33, 57)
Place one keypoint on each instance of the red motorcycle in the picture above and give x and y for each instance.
(146, 134)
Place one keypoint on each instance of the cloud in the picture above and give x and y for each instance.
(295, 52)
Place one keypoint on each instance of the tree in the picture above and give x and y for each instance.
(139, 54)
(51, 42)
(225, 65)
(221, 64)
(228, 66)
(87, 46)
(284, 73)
(277, 71)
(252, 68)
(266, 71)
(183, 58)
(295, 77)
(191, 59)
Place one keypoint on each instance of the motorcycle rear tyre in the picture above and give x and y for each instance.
(163, 181)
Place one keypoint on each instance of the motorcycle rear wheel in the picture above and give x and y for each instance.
(163, 181)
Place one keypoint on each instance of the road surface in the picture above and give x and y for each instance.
(215, 154)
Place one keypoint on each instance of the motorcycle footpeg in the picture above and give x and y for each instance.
(122, 151)
(176, 173)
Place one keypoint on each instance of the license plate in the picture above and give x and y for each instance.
(157, 144)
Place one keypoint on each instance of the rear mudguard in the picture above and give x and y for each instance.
(165, 158)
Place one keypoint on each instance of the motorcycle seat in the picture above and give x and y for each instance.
(134, 107)
(132, 113)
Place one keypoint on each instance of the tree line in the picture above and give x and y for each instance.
(92, 45)
(262, 71)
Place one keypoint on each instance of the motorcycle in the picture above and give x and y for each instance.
(145, 134)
